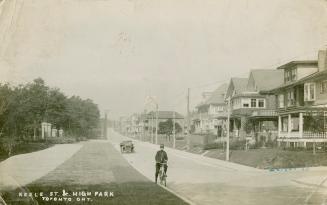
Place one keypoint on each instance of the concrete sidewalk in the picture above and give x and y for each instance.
(313, 181)
(22, 169)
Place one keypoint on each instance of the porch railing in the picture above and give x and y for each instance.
(264, 113)
(311, 135)
(306, 135)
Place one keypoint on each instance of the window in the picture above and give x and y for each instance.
(286, 77)
(284, 124)
(253, 102)
(291, 98)
(281, 100)
(246, 102)
(295, 124)
(293, 74)
(261, 103)
(290, 75)
(323, 87)
(309, 92)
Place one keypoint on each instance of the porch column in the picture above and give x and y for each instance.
(279, 125)
(44, 127)
(200, 122)
(242, 129)
(289, 125)
(235, 128)
(301, 124)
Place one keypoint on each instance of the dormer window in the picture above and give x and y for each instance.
(290, 75)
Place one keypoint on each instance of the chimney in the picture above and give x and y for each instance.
(322, 60)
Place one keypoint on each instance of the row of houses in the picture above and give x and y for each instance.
(146, 123)
(287, 104)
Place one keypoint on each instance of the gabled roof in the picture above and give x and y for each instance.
(266, 79)
(236, 86)
(239, 84)
(217, 97)
(165, 115)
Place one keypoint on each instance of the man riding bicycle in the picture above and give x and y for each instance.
(161, 159)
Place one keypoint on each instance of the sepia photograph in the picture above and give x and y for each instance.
(163, 102)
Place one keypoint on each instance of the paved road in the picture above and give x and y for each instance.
(95, 167)
(209, 181)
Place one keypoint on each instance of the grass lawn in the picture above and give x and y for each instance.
(25, 148)
(96, 167)
(273, 158)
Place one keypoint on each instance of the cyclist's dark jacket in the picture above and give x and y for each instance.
(161, 156)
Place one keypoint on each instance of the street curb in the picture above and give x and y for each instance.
(309, 184)
(178, 195)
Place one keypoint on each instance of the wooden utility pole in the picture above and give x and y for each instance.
(188, 119)
(152, 123)
(227, 131)
(157, 110)
(105, 123)
(174, 131)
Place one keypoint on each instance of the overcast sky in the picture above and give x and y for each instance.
(117, 52)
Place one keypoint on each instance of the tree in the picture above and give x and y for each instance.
(314, 122)
(167, 127)
(24, 107)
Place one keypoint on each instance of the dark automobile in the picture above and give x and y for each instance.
(127, 146)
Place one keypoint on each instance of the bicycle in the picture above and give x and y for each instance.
(162, 175)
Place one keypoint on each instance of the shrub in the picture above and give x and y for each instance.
(237, 145)
(61, 140)
(8, 144)
(180, 137)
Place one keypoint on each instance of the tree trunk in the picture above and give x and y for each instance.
(34, 135)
